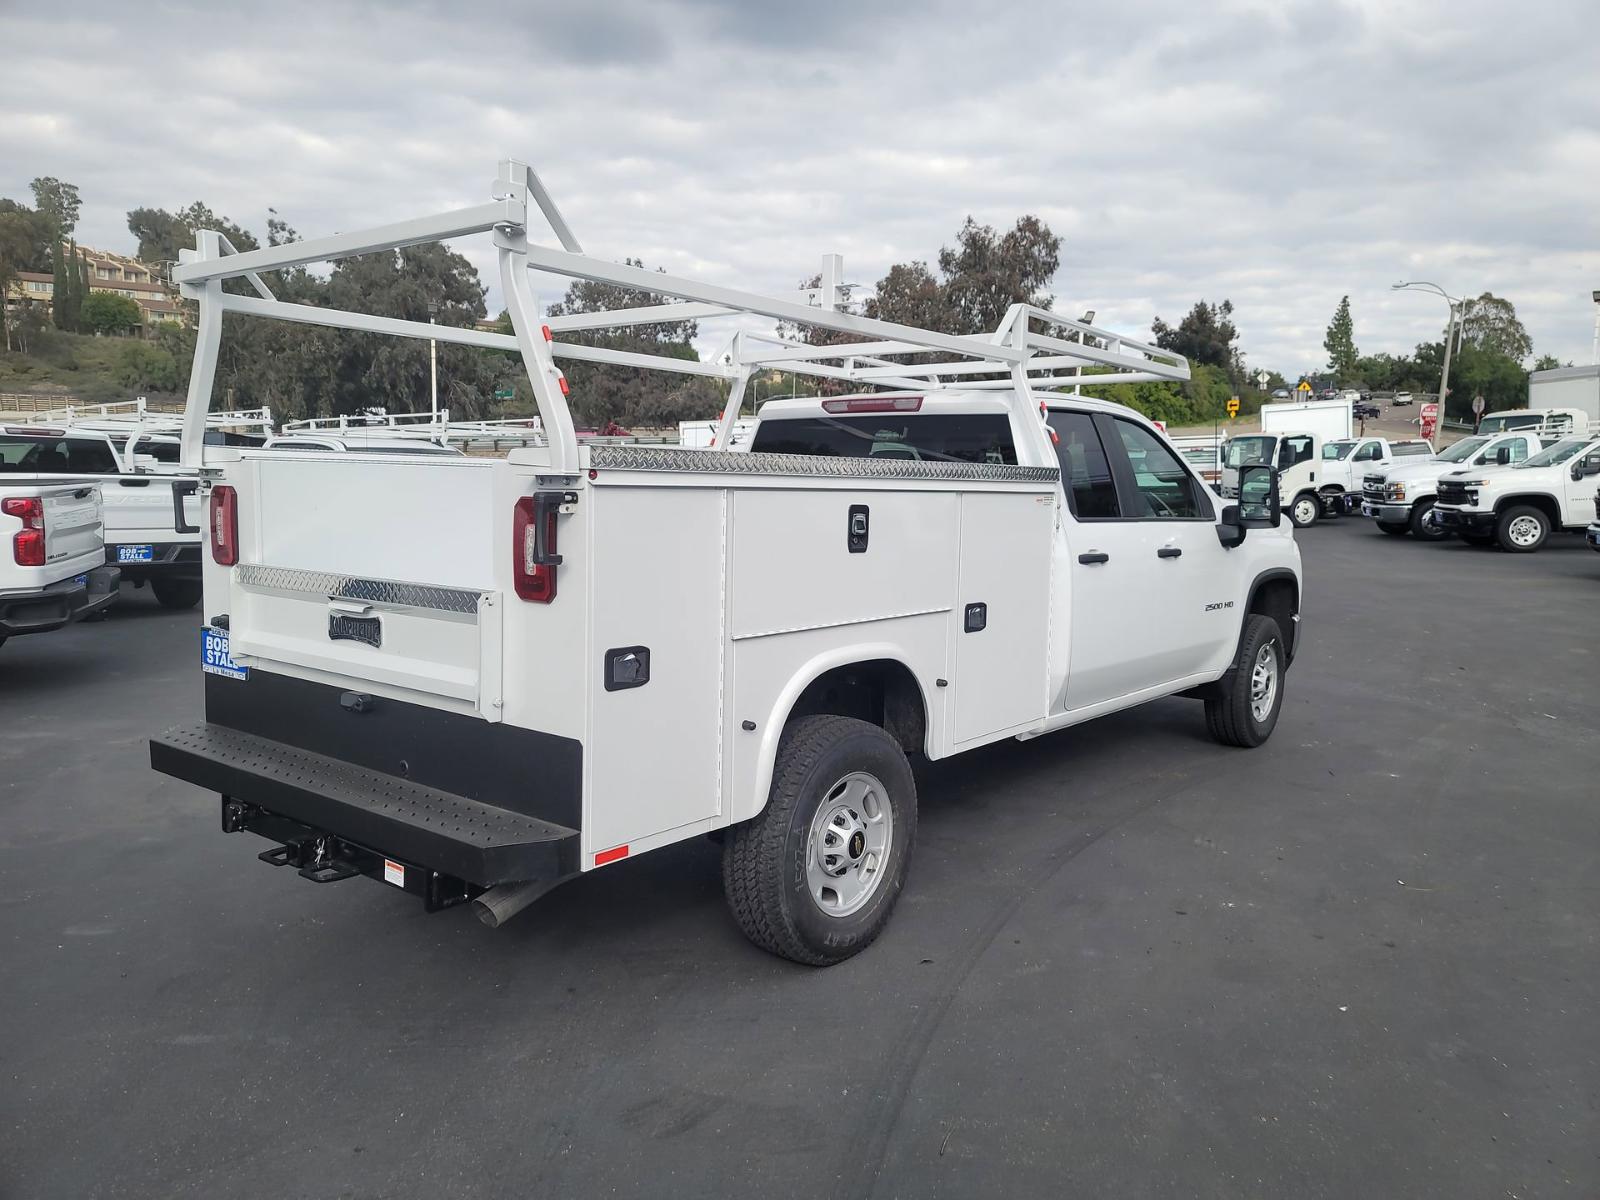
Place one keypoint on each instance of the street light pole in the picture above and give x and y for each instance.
(1456, 307)
(433, 375)
(1596, 354)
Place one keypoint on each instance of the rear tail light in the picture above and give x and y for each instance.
(224, 526)
(533, 545)
(866, 404)
(27, 544)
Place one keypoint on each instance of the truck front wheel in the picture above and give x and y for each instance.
(1425, 523)
(1305, 510)
(1245, 712)
(815, 876)
(1522, 529)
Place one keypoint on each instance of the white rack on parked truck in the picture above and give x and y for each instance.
(475, 678)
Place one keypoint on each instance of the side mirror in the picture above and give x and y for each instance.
(1259, 505)
(1502, 456)
(1588, 465)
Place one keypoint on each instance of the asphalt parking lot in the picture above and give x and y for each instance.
(1361, 961)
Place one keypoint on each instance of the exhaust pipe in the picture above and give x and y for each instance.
(499, 904)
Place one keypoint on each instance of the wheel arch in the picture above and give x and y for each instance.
(1276, 594)
(1543, 501)
(873, 682)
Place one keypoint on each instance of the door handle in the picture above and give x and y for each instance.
(1093, 557)
(1169, 552)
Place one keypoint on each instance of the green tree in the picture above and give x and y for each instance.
(985, 272)
(601, 392)
(1340, 343)
(107, 312)
(143, 367)
(22, 237)
(59, 202)
(61, 289)
(1491, 323)
(1206, 336)
(82, 290)
(161, 234)
(1548, 362)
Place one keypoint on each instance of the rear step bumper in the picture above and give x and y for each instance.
(389, 816)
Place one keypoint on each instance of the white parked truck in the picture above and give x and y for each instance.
(1567, 389)
(473, 678)
(1520, 507)
(1400, 497)
(1346, 462)
(52, 555)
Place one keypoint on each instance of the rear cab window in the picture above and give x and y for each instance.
(913, 437)
(53, 454)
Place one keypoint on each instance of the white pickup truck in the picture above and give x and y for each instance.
(52, 558)
(1401, 498)
(1346, 461)
(511, 671)
(1520, 507)
(152, 516)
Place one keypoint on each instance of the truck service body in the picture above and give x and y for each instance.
(510, 671)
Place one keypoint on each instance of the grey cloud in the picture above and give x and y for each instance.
(1279, 154)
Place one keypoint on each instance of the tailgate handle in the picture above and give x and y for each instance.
(180, 489)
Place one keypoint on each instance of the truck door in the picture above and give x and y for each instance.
(1142, 560)
(1297, 465)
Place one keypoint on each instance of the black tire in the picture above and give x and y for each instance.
(1395, 530)
(1508, 532)
(1230, 717)
(1478, 539)
(1422, 528)
(176, 593)
(1304, 510)
(765, 860)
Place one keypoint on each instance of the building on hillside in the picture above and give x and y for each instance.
(107, 273)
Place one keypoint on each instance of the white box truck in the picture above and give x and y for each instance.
(1571, 389)
(472, 678)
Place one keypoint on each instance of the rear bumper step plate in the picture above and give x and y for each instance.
(459, 836)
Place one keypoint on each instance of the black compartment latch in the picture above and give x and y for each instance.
(856, 534)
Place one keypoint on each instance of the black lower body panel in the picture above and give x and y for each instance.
(170, 560)
(466, 839)
(58, 604)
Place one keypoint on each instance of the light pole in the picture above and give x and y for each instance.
(1449, 340)
(1596, 354)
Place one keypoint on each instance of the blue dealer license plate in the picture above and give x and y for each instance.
(135, 553)
(214, 656)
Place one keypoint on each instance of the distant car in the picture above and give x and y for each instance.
(1401, 398)
(1363, 411)
(1280, 393)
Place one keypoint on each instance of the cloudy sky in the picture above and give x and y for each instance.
(1277, 153)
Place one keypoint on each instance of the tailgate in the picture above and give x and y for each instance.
(368, 572)
(72, 525)
(143, 509)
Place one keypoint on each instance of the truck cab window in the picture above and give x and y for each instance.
(1371, 452)
(1165, 488)
(1085, 471)
(1293, 450)
(918, 437)
(50, 455)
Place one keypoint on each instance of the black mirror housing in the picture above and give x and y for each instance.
(1230, 531)
(1260, 506)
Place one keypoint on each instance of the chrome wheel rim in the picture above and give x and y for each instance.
(1304, 511)
(1524, 531)
(1264, 682)
(849, 844)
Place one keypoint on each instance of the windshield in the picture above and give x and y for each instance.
(1464, 450)
(1247, 451)
(1338, 450)
(1559, 453)
(55, 454)
(1521, 420)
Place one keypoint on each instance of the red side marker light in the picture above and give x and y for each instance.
(548, 336)
(562, 380)
(610, 856)
(224, 525)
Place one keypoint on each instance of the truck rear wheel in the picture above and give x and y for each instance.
(1522, 529)
(814, 877)
(1425, 524)
(176, 593)
(1305, 510)
(1246, 712)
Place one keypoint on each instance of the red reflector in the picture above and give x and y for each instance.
(224, 525)
(610, 856)
(534, 580)
(562, 380)
(867, 405)
(27, 544)
(548, 336)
